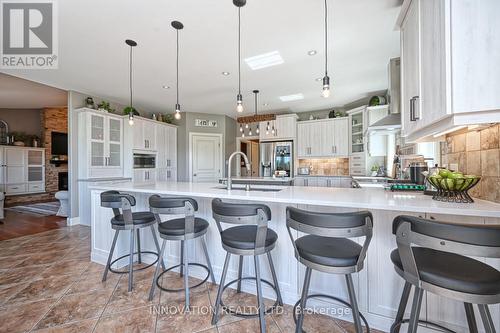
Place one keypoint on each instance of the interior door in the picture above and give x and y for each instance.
(206, 156)
(254, 158)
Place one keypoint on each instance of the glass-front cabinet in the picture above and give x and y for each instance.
(104, 147)
(357, 132)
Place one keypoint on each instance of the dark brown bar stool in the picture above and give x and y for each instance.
(433, 256)
(127, 220)
(251, 238)
(327, 248)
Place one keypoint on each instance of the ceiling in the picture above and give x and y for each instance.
(93, 57)
(16, 93)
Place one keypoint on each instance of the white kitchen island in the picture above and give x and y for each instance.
(378, 287)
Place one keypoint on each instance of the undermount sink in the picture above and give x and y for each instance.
(252, 189)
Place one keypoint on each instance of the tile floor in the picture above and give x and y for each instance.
(48, 284)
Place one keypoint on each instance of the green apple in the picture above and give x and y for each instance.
(456, 175)
(445, 173)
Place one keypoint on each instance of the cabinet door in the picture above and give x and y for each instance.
(171, 137)
(97, 141)
(303, 140)
(150, 135)
(328, 135)
(115, 129)
(161, 157)
(36, 157)
(317, 132)
(357, 126)
(138, 132)
(15, 157)
(410, 64)
(341, 133)
(286, 127)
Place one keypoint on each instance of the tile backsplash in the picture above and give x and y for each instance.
(478, 153)
(327, 167)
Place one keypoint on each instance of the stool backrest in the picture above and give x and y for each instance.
(334, 225)
(117, 201)
(479, 240)
(236, 213)
(174, 206)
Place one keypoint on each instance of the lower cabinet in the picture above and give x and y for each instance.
(344, 182)
(144, 175)
(23, 170)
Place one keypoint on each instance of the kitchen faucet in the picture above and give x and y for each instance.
(229, 179)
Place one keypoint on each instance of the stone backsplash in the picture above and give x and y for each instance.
(327, 167)
(478, 153)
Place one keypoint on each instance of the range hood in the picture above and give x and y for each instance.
(392, 122)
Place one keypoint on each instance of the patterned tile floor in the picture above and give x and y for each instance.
(48, 284)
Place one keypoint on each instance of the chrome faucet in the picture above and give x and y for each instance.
(247, 164)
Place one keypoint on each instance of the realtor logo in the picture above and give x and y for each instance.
(29, 34)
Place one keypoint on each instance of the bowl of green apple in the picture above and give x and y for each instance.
(453, 186)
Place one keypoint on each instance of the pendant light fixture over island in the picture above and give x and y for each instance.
(177, 26)
(326, 78)
(239, 97)
(132, 44)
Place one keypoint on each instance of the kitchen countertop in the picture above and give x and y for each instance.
(260, 179)
(363, 198)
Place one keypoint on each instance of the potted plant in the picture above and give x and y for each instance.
(89, 101)
(130, 109)
(105, 106)
(168, 118)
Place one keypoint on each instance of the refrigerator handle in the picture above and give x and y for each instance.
(273, 159)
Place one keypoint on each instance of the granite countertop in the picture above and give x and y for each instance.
(361, 198)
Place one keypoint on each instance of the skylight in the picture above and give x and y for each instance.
(294, 97)
(264, 60)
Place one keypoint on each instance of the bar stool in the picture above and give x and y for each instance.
(440, 265)
(181, 229)
(327, 248)
(251, 238)
(126, 220)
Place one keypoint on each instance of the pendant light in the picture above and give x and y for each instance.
(177, 26)
(256, 92)
(239, 97)
(326, 78)
(132, 44)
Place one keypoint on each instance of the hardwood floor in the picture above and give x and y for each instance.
(16, 224)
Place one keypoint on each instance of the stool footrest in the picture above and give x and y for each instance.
(332, 298)
(137, 269)
(246, 315)
(396, 325)
(181, 289)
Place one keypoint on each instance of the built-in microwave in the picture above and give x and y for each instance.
(144, 161)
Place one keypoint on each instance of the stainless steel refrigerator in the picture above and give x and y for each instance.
(276, 156)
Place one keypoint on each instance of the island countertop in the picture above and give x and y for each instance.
(365, 198)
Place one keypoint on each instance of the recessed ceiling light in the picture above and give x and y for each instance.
(225, 73)
(264, 60)
(312, 52)
(165, 87)
(319, 79)
(289, 98)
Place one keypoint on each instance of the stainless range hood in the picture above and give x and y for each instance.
(392, 122)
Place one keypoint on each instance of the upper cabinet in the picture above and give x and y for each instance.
(144, 132)
(449, 66)
(101, 153)
(323, 138)
(282, 128)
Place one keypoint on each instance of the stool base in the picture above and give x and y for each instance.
(182, 289)
(332, 298)
(244, 315)
(112, 270)
(395, 326)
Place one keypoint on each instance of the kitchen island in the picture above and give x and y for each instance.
(378, 287)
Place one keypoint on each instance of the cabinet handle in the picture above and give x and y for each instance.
(328, 183)
(413, 116)
(306, 182)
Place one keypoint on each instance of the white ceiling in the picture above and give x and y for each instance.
(16, 93)
(93, 57)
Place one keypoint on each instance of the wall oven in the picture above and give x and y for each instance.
(144, 161)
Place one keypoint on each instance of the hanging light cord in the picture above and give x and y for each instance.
(326, 39)
(130, 78)
(256, 105)
(239, 50)
(177, 66)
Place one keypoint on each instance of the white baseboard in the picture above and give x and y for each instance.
(71, 221)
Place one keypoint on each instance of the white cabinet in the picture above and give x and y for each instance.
(166, 162)
(101, 150)
(449, 66)
(144, 132)
(23, 170)
(323, 138)
(145, 175)
(284, 127)
(339, 181)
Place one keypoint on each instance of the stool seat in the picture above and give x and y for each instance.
(175, 227)
(138, 218)
(243, 237)
(329, 251)
(453, 271)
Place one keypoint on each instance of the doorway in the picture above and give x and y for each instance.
(251, 147)
(205, 157)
